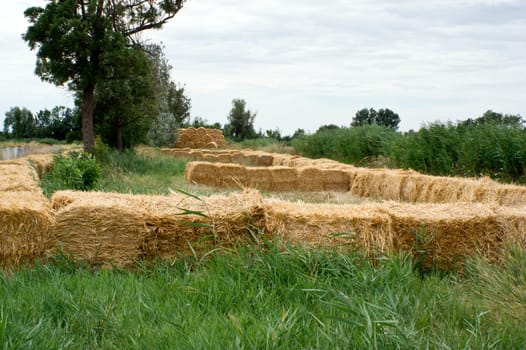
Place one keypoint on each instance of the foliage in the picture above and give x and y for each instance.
(490, 117)
(76, 171)
(263, 297)
(240, 121)
(350, 145)
(384, 117)
(19, 123)
(83, 43)
(127, 103)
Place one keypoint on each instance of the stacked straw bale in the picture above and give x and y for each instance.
(26, 219)
(120, 228)
(200, 138)
(439, 233)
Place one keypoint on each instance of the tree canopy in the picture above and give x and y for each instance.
(82, 43)
(383, 117)
(240, 121)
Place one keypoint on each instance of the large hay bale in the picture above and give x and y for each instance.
(231, 175)
(259, 178)
(335, 180)
(284, 179)
(119, 228)
(202, 173)
(26, 223)
(264, 159)
(183, 138)
(211, 145)
(310, 179)
(41, 162)
(18, 176)
(191, 132)
(200, 132)
(196, 155)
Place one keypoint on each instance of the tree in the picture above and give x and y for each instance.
(60, 123)
(82, 42)
(490, 117)
(384, 117)
(20, 123)
(241, 121)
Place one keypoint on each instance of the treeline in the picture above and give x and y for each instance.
(492, 145)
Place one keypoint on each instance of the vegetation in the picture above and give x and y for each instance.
(240, 122)
(493, 145)
(86, 43)
(76, 171)
(264, 298)
(384, 117)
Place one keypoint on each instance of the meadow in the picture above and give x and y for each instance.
(251, 296)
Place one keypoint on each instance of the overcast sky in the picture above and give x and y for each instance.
(305, 63)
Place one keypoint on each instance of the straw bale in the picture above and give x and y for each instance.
(201, 131)
(511, 195)
(189, 144)
(447, 232)
(211, 145)
(325, 224)
(18, 176)
(181, 153)
(199, 144)
(202, 173)
(179, 144)
(310, 179)
(336, 180)
(120, 228)
(166, 151)
(280, 159)
(284, 179)
(26, 223)
(237, 157)
(41, 162)
(183, 137)
(196, 155)
(207, 139)
(302, 162)
(224, 158)
(210, 158)
(259, 177)
(190, 132)
(265, 159)
(231, 175)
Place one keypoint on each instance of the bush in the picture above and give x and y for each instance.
(76, 171)
(356, 145)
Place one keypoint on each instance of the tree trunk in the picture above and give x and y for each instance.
(118, 137)
(86, 110)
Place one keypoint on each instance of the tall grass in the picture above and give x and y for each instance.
(253, 298)
(494, 150)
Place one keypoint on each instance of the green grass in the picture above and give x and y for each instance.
(253, 298)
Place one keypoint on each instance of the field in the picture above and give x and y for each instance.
(283, 269)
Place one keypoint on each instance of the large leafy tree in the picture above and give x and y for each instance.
(82, 42)
(19, 123)
(383, 117)
(240, 121)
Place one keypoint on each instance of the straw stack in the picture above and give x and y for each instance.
(26, 219)
(119, 228)
(200, 138)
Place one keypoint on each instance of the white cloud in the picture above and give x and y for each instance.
(307, 63)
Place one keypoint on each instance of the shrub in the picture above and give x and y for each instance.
(76, 171)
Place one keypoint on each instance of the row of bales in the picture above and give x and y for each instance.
(121, 228)
(282, 172)
(200, 138)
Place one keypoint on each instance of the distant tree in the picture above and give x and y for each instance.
(60, 123)
(240, 121)
(273, 134)
(384, 117)
(299, 133)
(328, 127)
(490, 117)
(19, 123)
(82, 43)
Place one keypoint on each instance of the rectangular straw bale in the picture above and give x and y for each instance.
(207, 157)
(196, 155)
(224, 158)
(18, 176)
(265, 159)
(335, 180)
(310, 179)
(120, 228)
(446, 232)
(202, 173)
(302, 162)
(41, 162)
(284, 179)
(280, 159)
(166, 151)
(237, 157)
(259, 178)
(363, 226)
(511, 195)
(26, 223)
(369, 183)
(183, 153)
(231, 175)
